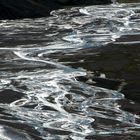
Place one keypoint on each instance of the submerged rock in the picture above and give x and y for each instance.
(8, 96)
(16, 9)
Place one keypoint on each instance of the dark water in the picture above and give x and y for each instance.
(74, 75)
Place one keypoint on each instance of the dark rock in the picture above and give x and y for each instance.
(108, 83)
(102, 82)
(8, 96)
(16, 9)
(129, 106)
(83, 2)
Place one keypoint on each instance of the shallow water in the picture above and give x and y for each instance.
(43, 96)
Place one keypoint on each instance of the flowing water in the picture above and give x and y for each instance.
(42, 97)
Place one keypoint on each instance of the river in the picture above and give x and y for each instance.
(71, 76)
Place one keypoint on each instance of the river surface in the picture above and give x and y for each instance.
(53, 79)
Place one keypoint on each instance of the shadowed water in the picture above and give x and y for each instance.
(43, 96)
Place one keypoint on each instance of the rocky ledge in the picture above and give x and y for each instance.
(16, 9)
